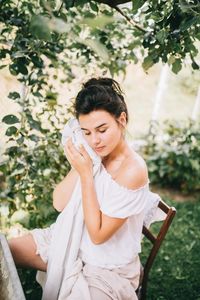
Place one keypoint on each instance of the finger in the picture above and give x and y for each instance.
(69, 151)
(69, 146)
(83, 151)
(69, 143)
(72, 147)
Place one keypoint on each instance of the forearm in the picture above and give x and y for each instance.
(91, 210)
(63, 191)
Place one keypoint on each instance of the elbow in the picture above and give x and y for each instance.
(97, 240)
(56, 202)
(56, 207)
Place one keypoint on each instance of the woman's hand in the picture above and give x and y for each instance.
(79, 159)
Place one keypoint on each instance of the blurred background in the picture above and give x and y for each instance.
(158, 94)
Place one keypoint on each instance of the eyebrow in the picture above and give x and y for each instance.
(95, 127)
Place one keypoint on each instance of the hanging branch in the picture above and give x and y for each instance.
(61, 6)
(114, 3)
(129, 19)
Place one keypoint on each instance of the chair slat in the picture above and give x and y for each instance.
(148, 234)
(163, 206)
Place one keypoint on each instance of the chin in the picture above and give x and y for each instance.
(103, 153)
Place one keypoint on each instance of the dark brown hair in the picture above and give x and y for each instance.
(100, 94)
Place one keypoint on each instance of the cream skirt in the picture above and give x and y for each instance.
(96, 283)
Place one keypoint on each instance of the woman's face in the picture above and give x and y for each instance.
(101, 131)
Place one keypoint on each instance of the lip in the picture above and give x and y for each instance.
(98, 149)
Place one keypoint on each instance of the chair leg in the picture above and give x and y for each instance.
(143, 292)
(138, 293)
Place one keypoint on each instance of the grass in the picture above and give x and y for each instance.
(176, 271)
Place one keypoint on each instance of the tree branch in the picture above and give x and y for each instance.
(129, 19)
(114, 3)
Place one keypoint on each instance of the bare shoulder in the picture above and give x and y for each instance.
(133, 174)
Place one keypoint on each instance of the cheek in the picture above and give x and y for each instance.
(112, 137)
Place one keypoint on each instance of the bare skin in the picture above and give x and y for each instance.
(23, 250)
(125, 166)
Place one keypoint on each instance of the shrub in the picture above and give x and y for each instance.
(33, 163)
(30, 176)
(172, 155)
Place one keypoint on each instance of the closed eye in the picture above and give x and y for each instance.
(87, 133)
(101, 131)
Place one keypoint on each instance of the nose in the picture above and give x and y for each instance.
(95, 140)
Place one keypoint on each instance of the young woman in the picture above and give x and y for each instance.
(113, 203)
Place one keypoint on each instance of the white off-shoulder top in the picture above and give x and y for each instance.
(119, 202)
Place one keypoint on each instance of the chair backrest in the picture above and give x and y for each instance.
(156, 241)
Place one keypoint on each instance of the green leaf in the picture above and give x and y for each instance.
(51, 95)
(19, 66)
(33, 137)
(97, 22)
(59, 25)
(37, 61)
(10, 119)
(14, 95)
(171, 59)
(13, 69)
(39, 27)
(11, 130)
(97, 47)
(20, 140)
(161, 36)
(21, 216)
(12, 151)
(147, 63)
(2, 66)
(136, 4)
(187, 23)
(79, 2)
(177, 65)
(69, 3)
(195, 66)
(22, 64)
(33, 123)
(94, 6)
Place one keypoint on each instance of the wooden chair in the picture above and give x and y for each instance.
(156, 241)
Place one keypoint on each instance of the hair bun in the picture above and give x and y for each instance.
(100, 94)
(98, 81)
(104, 81)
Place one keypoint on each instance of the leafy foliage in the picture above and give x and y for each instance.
(91, 32)
(34, 162)
(174, 28)
(173, 154)
(32, 289)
